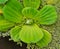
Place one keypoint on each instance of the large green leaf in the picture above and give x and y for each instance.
(31, 3)
(47, 15)
(14, 33)
(3, 1)
(31, 34)
(29, 12)
(4, 24)
(13, 11)
(45, 40)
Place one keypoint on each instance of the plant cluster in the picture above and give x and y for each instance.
(23, 20)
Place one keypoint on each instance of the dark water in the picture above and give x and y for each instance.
(6, 44)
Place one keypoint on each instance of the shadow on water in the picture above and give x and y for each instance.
(6, 44)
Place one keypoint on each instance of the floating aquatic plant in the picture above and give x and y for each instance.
(23, 20)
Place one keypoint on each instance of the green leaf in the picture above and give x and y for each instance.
(31, 34)
(32, 3)
(14, 33)
(29, 12)
(0, 11)
(13, 11)
(47, 15)
(3, 1)
(45, 40)
(4, 24)
(1, 17)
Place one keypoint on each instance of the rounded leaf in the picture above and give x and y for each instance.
(29, 12)
(32, 3)
(14, 33)
(4, 24)
(47, 15)
(45, 40)
(12, 11)
(31, 33)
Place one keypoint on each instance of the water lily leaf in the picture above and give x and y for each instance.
(29, 12)
(4, 24)
(47, 15)
(45, 40)
(12, 11)
(3, 1)
(32, 3)
(30, 34)
(14, 33)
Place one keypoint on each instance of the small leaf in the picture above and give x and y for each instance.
(14, 33)
(29, 12)
(32, 3)
(45, 40)
(31, 33)
(13, 11)
(47, 15)
(4, 24)
(3, 1)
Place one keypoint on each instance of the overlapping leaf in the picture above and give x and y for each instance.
(32, 3)
(13, 11)
(29, 12)
(31, 33)
(47, 15)
(45, 40)
(4, 24)
(3, 1)
(14, 33)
